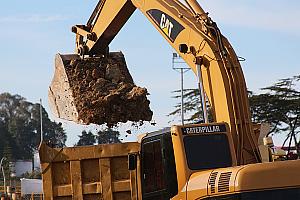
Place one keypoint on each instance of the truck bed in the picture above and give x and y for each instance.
(89, 172)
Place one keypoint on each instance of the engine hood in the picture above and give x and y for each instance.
(252, 177)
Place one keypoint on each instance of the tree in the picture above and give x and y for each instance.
(278, 105)
(108, 136)
(32, 175)
(86, 139)
(20, 126)
(191, 105)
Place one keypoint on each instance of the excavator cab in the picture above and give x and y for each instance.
(168, 157)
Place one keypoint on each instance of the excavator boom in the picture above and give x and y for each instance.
(195, 37)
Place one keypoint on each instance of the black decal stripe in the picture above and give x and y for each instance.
(155, 15)
(221, 128)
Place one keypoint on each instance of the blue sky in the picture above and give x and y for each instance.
(266, 33)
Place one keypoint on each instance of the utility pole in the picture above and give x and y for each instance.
(177, 60)
(41, 119)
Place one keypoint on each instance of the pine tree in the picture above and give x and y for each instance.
(86, 138)
(108, 136)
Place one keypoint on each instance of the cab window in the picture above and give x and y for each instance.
(153, 167)
(208, 151)
(158, 169)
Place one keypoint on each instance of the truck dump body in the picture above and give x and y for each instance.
(88, 173)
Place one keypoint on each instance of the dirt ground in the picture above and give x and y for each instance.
(104, 91)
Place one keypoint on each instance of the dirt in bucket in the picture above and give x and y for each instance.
(104, 91)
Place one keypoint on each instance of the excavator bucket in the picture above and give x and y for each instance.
(96, 90)
(60, 95)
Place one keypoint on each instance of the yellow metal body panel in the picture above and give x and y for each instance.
(115, 15)
(275, 175)
(183, 172)
(247, 178)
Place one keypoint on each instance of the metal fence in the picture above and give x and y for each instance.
(32, 197)
(16, 189)
(1, 189)
(17, 194)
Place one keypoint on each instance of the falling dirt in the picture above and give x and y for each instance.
(104, 91)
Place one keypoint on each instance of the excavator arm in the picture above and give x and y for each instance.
(94, 38)
(197, 39)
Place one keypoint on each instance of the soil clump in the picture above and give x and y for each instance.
(104, 91)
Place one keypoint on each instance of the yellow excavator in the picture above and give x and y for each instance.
(217, 159)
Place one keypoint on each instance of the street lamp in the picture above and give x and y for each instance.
(1, 161)
(177, 60)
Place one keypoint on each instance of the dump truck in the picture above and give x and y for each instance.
(216, 159)
(89, 172)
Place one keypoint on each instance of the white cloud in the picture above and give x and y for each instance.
(267, 15)
(33, 18)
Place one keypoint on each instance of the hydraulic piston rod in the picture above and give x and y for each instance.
(196, 8)
(202, 93)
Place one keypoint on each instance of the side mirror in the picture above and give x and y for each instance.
(132, 162)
